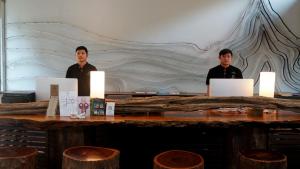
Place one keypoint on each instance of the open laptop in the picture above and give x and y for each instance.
(231, 87)
(43, 86)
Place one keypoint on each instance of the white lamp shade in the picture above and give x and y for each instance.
(267, 84)
(97, 84)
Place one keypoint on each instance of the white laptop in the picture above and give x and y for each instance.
(231, 87)
(43, 84)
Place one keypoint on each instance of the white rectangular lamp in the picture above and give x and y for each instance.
(267, 84)
(97, 82)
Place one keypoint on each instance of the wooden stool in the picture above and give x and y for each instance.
(175, 159)
(85, 157)
(262, 159)
(18, 158)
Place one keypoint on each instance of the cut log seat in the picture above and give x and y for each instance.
(18, 158)
(86, 157)
(262, 159)
(175, 159)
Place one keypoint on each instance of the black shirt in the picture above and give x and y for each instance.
(83, 76)
(219, 72)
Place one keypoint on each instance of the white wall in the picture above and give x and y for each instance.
(155, 21)
(160, 45)
(290, 12)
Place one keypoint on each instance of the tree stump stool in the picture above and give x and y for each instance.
(18, 158)
(85, 157)
(262, 159)
(175, 159)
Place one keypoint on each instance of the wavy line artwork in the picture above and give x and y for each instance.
(260, 41)
(263, 42)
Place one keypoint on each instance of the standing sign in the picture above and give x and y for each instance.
(68, 103)
(110, 109)
(83, 106)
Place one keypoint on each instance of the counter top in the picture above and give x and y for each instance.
(208, 118)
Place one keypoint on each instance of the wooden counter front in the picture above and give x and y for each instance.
(132, 134)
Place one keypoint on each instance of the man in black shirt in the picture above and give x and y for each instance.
(81, 71)
(224, 70)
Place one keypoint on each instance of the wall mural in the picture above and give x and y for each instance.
(260, 41)
(263, 42)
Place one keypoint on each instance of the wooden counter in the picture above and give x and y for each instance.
(207, 118)
(217, 128)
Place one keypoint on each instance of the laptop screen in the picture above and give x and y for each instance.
(231, 87)
(43, 86)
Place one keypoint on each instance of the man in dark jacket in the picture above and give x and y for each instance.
(81, 71)
(224, 70)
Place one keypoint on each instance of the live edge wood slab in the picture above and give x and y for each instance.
(157, 104)
(209, 118)
(172, 111)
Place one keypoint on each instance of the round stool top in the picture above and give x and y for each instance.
(16, 152)
(178, 159)
(87, 153)
(264, 155)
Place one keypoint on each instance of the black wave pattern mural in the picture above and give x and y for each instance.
(261, 41)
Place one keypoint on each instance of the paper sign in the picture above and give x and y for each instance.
(83, 107)
(52, 106)
(97, 107)
(67, 103)
(54, 88)
(110, 108)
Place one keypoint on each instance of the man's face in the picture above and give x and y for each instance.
(225, 60)
(81, 56)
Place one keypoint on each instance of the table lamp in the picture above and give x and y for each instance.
(97, 82)
(267, 84)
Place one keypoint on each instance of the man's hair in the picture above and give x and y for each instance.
(82, 48)
(225, 51)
